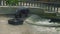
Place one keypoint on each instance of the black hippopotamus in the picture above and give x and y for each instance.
(55, 20)
(19, 16)
(22, 12)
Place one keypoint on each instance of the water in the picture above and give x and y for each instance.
(6, 28)
(26, 28)
(34, 20)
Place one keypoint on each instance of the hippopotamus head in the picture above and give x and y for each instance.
(22, 12)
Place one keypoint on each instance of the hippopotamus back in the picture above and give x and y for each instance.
(22, 11)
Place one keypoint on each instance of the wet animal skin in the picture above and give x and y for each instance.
(21, 13)
(55, 20)
(19, 17)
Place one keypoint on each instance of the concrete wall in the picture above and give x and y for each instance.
(7, 10)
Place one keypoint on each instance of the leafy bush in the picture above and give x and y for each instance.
(11, 2)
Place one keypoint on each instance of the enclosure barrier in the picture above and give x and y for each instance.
(49, 6)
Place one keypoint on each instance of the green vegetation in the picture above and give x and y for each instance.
(12, 2)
